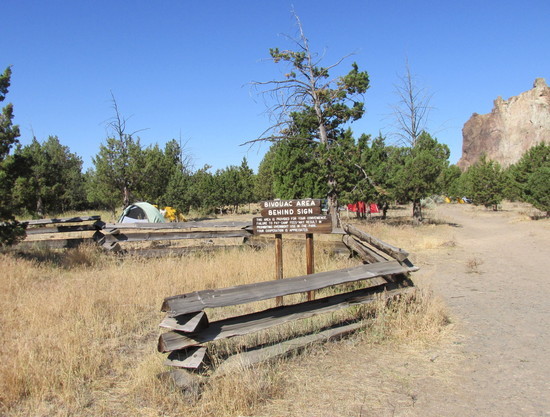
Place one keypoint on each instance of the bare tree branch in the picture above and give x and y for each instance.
(118, 123)
(411, 113)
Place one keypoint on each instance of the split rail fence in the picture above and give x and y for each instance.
(126, 237)
(147, 239)
(384, 273)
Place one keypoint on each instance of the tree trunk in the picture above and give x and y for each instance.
(417, 210)
(384, 210)
(40, 207)
(126, 196)
(333, 211)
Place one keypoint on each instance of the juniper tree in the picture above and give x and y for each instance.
(118, 166)
(484, 183)
(10, 229)
(49, 178)
(311, 106)
(528, 178)
(417, 177)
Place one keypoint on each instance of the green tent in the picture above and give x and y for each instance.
(141, 213)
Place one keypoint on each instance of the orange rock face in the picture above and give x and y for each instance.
(512, 127)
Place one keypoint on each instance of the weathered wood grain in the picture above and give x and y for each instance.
(191, 322)
(254, 322)
(365, 253)
(54, 243)
(199, 300)
(396, 253)
(159, 236)
(63, 220)
(181, 225)
(61, 229)
(189, 382)
(190, 358)
(253, 357)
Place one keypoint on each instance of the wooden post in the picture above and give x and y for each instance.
(278, 263)
(310, 265)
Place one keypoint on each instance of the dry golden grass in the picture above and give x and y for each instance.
(401, 231)
(79, 329)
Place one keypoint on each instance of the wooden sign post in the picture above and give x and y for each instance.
(292, 216)
(310, 261)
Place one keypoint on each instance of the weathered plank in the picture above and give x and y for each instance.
(159, 236)
(268, 353)
(190, 358)
(189, 382)
(181, 225)
(191, 322)
(61, 229)
(199, 300)
(54, 243)
(254, 322)
(63, 220)
(253, 357)
(365, 253)
(396, 253)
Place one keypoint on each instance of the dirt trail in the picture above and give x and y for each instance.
(503, 310)
(493, 275)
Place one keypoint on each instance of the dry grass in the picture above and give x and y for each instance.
(403, 232)
(418, 318)
(79, 329)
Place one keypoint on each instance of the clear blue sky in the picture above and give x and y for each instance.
(182, 68)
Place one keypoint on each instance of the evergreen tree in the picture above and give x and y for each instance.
(118, 172)
(423, 163)
(177, 178)
(204, 191)
(263, 182)
(449, 180)
(235, 185)
(297, 170)
(8, 131)
(484, 183)
(49, 178)
(10, 230)
(314, 108)
(538, 189)
(380, 164)
(527, 179)
(247, 180)
(177, 193)
(157, 170)
(340, 162)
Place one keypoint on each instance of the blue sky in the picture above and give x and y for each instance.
(181, 69)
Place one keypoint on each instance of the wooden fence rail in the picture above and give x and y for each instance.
(74, 231)
(384, 271)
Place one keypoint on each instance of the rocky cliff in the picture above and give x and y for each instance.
(512, 127)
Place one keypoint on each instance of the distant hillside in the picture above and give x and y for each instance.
(512, 127)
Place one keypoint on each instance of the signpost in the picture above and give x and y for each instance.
(292, 216)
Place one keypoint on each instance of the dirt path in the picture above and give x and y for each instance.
(494, 278)
(502, 307)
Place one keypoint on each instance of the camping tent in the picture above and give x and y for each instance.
(141, 213)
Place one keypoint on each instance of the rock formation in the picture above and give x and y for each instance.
(512, 127)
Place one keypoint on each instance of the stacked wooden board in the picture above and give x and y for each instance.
(383, 272)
